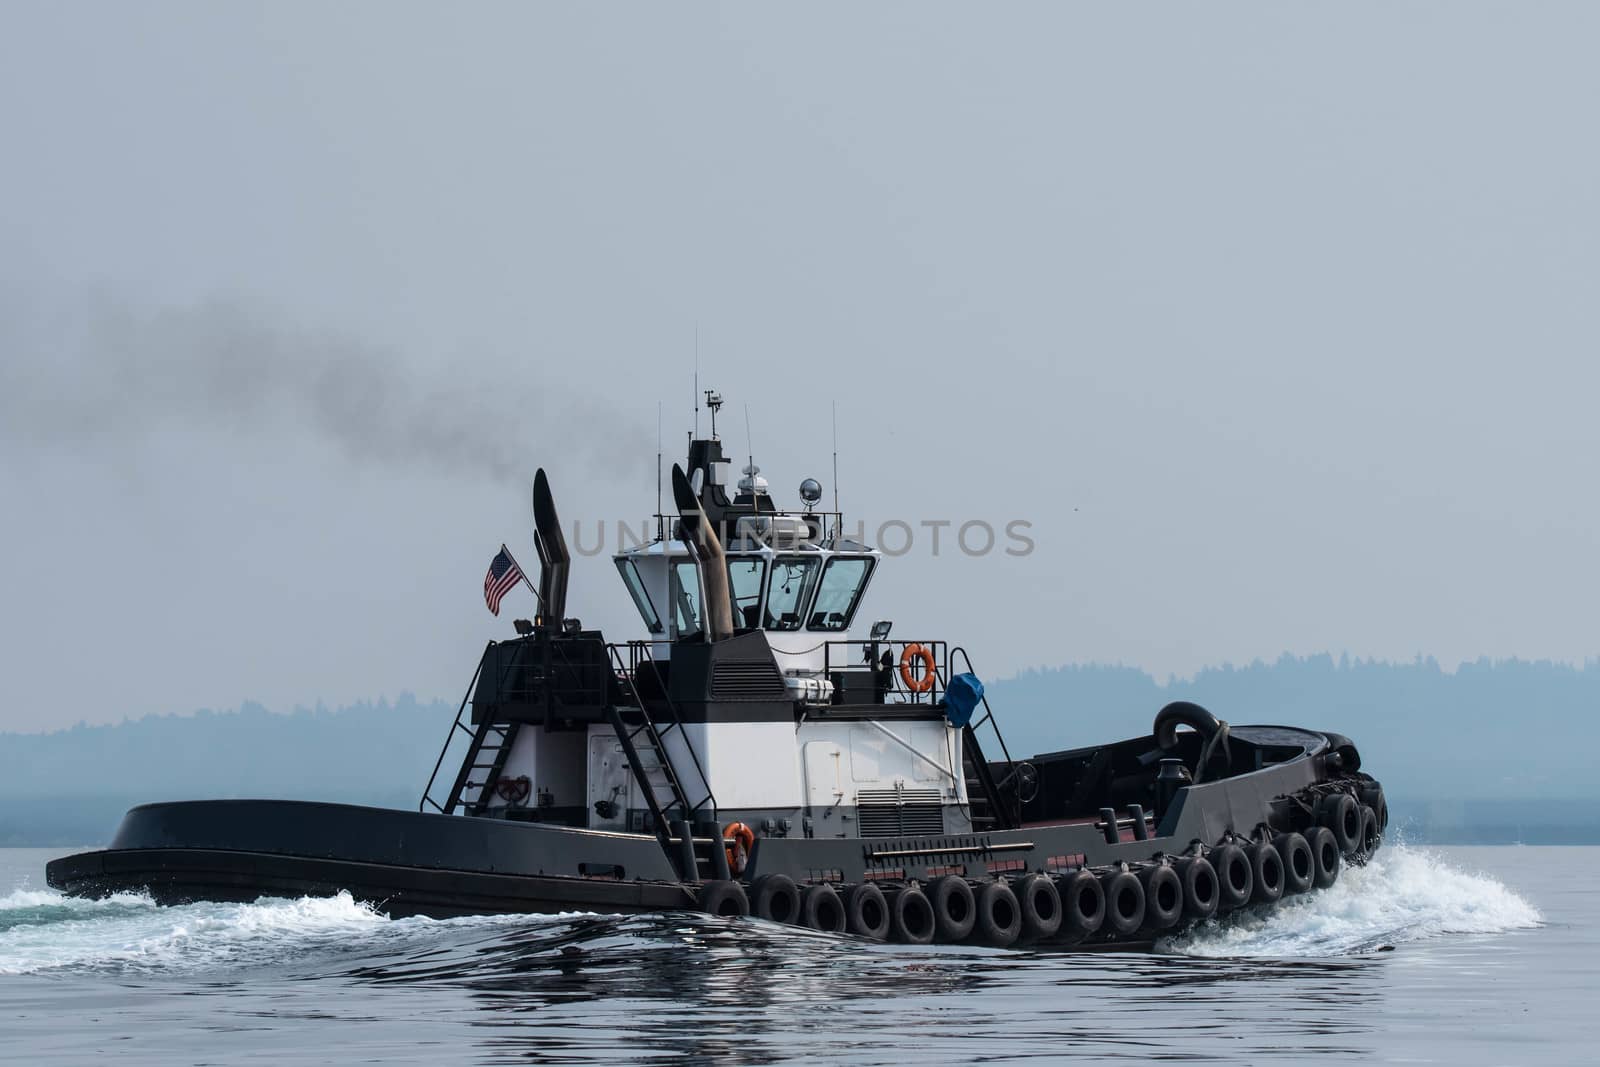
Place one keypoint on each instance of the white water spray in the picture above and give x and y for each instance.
(1404, 894)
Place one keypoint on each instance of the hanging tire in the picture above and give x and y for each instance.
(911, 917)
(866, 912)
(1370, 837)
(1201, 889)
(724, 898)
(954, 909)
(1340, 813)
(1083, 905)
(1266, 873)
(1235, 877)
(1039, 904)
(1325, 850)
(1163, 898)
(999, 916)
(1371, 794)
(821, 909)
(1299, 865)
(1124, 903)
(776, 898)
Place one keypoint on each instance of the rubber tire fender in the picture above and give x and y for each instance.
(1083, 905)
(1039, 903)
(955, 908)
(1299, 865)
(911, 917)
(866, 912)
(821, 909)
(1371, 837)
(999, 915)
(724, 898)
(1266, 873)
(1325, 850)
(1340, 813)
(1163, 898)
(1371, 794)
(776, 898)
(1235, 877)
(1182, 713)
(1200, 887)
(1124, 903)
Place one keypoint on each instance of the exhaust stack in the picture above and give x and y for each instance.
(701, 537)
(554, 559)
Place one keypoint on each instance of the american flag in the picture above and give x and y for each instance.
(503, 574)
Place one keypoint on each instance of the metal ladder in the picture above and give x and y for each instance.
(645, 747)
(996, 813)
(489, 737)
(458, 729)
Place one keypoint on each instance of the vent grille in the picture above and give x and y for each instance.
(751, 680)
(899, 812)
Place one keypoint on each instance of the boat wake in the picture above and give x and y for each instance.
(44, 931)
(1404, 895)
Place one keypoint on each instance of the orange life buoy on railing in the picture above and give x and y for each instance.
(744, 839)
(917, 654)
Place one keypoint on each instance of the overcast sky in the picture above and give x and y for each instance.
(1277, 322)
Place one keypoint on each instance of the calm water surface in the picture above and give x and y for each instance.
(1483, 955)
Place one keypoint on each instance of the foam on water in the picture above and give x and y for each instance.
(41, 930)
(1403, 894)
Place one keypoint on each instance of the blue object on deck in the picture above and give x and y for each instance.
(961, 698)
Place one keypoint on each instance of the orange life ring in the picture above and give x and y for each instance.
(913, 654)
(744, 839)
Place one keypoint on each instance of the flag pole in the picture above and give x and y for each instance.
(525, 580)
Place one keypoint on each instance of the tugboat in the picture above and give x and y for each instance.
(766, 751)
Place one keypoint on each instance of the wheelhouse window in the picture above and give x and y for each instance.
(745, 577)
(684, 591)
(792, 579)
(843, 580)
(641, 596)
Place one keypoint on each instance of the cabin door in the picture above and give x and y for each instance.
(610, 783)
(825, 773)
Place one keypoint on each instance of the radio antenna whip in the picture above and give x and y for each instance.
(661, 534)
(838, 516)
(750, 449)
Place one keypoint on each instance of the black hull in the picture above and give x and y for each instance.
(402, 862)
(410, 863)
(182, 876)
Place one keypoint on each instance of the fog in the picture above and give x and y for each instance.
(1277, 324)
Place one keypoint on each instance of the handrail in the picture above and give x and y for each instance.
(427, 792)
(636, 648)
(940, 650)
(971, 730)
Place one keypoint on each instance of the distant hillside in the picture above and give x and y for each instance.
(1495, 751)
(72, 786)
(1488, 730)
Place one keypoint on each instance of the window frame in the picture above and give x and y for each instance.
(761, 587)
(675, 589)
(640, 592)
(807, 593)
(855, 601)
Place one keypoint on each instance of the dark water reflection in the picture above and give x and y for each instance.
(660, 989)
(271, 985)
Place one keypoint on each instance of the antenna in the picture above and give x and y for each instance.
(838, 516)
(714, 402)
(660, 521)
(750, 450)
(696, 383)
